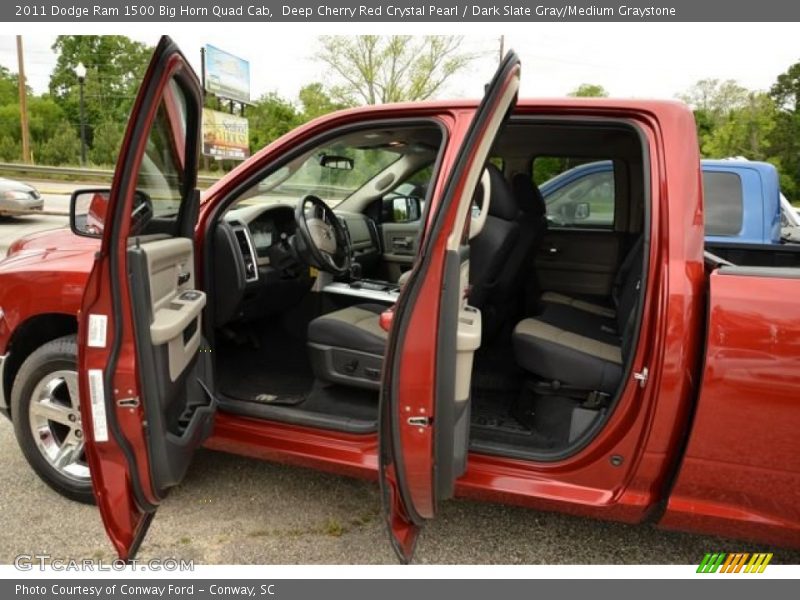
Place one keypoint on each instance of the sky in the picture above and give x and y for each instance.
(643, 60)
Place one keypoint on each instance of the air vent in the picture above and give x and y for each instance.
(245, 244)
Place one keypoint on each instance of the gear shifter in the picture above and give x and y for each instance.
(355, 271)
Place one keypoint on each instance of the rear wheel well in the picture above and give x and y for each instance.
(33, 334)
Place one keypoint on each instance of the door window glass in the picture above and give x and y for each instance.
(161, 174)
(577, 192)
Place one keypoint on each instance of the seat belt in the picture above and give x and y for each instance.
(592, 399)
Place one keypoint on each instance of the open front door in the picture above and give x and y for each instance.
(428, 366)
(143, 382)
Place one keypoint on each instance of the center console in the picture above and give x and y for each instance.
(366, 289)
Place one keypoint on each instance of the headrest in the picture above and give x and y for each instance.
(528, 195)
(502, 203)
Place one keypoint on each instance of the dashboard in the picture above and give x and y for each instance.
(256, 271)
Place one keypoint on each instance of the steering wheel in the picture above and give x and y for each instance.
(321, 239)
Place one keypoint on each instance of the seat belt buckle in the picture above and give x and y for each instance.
(596, 400)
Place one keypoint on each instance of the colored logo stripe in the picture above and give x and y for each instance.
(734, 563)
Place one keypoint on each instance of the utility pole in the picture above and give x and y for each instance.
(502, 48)
(23, 104)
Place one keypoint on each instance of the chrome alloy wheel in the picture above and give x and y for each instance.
(55, 421)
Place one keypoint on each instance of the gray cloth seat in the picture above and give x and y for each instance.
(581, 344)
(347, 346)
(355, 327)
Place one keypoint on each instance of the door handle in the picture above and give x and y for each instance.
(183, 277)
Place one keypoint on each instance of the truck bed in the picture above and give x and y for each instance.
(756, 255)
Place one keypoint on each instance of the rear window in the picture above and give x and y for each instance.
(578, 192)
(724, 203)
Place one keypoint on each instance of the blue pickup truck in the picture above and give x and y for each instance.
(744, 207)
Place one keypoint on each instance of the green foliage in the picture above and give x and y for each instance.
(62, 149)
(375, 69)
(44, 118)
(733, 121)
(9, 87)
(785, 139)
(10, 149)
(786, 91)
(115, 65)
(589, 90)
(315, 102)
(270, 117)
(107, 142)
(745, 131)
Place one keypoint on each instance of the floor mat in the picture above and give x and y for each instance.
(271, 365)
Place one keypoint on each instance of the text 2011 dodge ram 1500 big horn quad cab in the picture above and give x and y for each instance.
(379, 294)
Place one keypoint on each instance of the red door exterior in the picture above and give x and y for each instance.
(116, 447)
(413, 463)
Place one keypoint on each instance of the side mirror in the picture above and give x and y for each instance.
(88, 210)
(405, 209)
(582, 211)
(339, 163)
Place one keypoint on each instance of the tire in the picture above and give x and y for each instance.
(47, 418)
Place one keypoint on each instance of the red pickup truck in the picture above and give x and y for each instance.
(438, 330)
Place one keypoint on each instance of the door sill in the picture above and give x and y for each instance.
(297, 415)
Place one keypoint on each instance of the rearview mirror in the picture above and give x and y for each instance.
(88, 212)
(582, 211)
(339, 163)
(405, 209)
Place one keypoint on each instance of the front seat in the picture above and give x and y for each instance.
(347, 346)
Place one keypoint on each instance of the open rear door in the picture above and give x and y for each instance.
(143, 383)
(428, 366)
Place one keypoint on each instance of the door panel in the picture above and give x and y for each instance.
(399, 246)
(573, 261)
(424, 414)
(175, 378)
(148, 408)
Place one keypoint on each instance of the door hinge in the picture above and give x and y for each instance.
(128, 402)
(642, 376)
(420, 421)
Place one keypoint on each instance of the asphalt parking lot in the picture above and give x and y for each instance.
(234, 510)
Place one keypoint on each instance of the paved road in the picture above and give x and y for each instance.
(233, 510)
(56, 199)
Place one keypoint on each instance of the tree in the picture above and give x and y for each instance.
(9, 87)
(589, 90)
(63, 148)
(785, 138)
(270, 117)
(106, 143)
(786, 91)
(715, 99)
(10, 148)
(315, 101)
(745, 132)
(115, 65)
(373, 69)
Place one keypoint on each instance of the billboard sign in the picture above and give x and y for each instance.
(226, 75)
(225, 135)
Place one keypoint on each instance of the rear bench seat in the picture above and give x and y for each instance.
(581, 344)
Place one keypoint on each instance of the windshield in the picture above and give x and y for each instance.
(331, 172)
